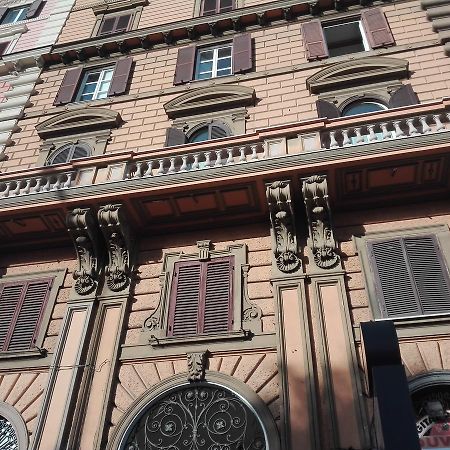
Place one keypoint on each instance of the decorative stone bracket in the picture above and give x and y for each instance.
(115, 230)
(251, 313)
(85, 234)
(197, 363)
(283, 226)
(321, 239)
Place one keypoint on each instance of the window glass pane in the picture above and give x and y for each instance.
(224, 52)
(200, 135)
(92, 77)
(214, 62)
(14, 15)
(224, 63)
(226, 5)
(22, 14)
(86, 97)
(206, 56)
(361, 107)
(89, 88)
(344, 38)
(204, 76)
(209, 7)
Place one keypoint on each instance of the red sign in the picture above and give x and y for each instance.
(442, 442)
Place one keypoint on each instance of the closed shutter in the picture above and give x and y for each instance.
(377, 28)
(218, 131)
(184, 70)
(3, 11)
(218, 295)
(314, 40)
(209, 7)
(403, 96)
(68, 86)
(174, 136)
(185, 299)
(242, 53)
(327, 109)
(120, 76)
(22, 305)
(34, 9)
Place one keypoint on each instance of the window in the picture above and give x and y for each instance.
(371, 31)
(25, 12)
(67, 153)
(94, 84)
(362, 107)
(15, 15)
(214, 130)
(211, 62)
(216, 6)
(114, 24)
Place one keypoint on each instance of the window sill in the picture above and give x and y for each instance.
(229, 335)
(32, 353)
(7, 29)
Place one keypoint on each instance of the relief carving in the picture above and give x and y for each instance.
(82, 226)
(283, 226)
(114, 227)
(321, 241)
(196, 363)
(153, 322)
(251, 313)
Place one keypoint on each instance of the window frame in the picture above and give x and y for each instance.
(198, 7)
(51, 157)
(86, 74)
(215, 49)
(442, 235)
(24, 10)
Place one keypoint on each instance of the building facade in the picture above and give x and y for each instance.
(200, 203)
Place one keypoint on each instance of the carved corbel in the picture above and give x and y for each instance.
(251, 313)
(213, 28)
(262, 19)
(288, 14)
(283, 226)
(314, 8)
(321, 239)
(113, 224)
(66, 58)
(102, 51)
(204, 248)
(168, 37)
(196, 363)
(237, 24)
(82, 226)
(152, 323)
(192, 33)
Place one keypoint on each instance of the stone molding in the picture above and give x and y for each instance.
(16, 420)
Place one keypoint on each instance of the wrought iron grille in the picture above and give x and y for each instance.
(8, 437)
(197, 418)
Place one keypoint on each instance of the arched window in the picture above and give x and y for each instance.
(213, 130)
(363, 106)
(8, 436)
(13, 432)
(67, 153)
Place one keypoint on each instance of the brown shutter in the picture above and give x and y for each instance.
(242, 53)
(403, 97)
(327, 109)
(376, 27)
(185, 299)
(3, 47)
(68, 87)
(3, 11)
(34, 9)
(218, 306)
(10, 295)
(209, 7)
(107, 26)
(184, 70)
(120, 76)
(429, 272)
(174, 136)
(314, 40)
(29, 316)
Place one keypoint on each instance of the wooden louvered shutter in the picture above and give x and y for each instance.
(314, 40)
(68, 86)
(10, 295)
(34, 9)
(327, 109)
(3, 11)
(184, 70)
(429, 273)
(174, 136)
(403, 96)
(242, 53)
(120, 76)
(377, 28)
(185, 299)
(218, 295)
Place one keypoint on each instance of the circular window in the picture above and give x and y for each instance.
(8, 436)
(363, 106)
(200, 416)
(68, 152)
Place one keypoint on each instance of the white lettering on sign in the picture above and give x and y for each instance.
(423, 425)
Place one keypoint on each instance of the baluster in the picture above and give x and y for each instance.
(265, 154)
(68, 182)
(333, 141)
(37, 186)
(437, 120)
(8, 189)
(195, 166)
(372, 136)
(397, 130)
(16, 190)
(183, 167)
(3, 192)
(425, 127)
(448, 117)
(412, 130)
(385, 134)
(207, 160)
(359, 137)
(218, 158)
(230, 159)
(46, 186)
(172, 165)
(161, 167)
(57, 184)
(26, 189)
(254, 148)
(242, 157)
(138, 172)
(148, 172)
(347, 141)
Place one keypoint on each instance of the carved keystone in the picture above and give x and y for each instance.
(82, 226)
(115, 230)
(283, 226)
(321, 239)
(204, 248)
(197, 365)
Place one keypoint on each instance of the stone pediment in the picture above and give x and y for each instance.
(357, 72)
(76, 121)
(199, 101)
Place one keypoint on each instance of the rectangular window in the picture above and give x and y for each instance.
(214, 62)
(15, 15)
(201, 297)
(21, 308)
(210, 7)
(411, 276)
(95, 84)
(345, 38)
(114, 24)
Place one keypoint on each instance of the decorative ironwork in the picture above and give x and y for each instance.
(204, 417)
(8, 436)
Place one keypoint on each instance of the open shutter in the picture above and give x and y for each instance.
(218, 295)
(174, 136)
(185, 299)
(29, 317)
(209, 7)
(10, 295)
(393, 279)
(184, 70)
(327, 109)
(377, 28)
(68, 86)
(3, 11)
(34, 9)
(430, 273)
(403, 97)
(242, 53)
(314, 40)
(120, 76)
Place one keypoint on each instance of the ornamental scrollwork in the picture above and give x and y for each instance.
(196, 363)
(115, 230)
(200, 417)
(283, 226)
(251, 313)
(82, 226)
(321, 242)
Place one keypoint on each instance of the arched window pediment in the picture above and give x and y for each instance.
(79, 120)
(357, 72)
(209, 99)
